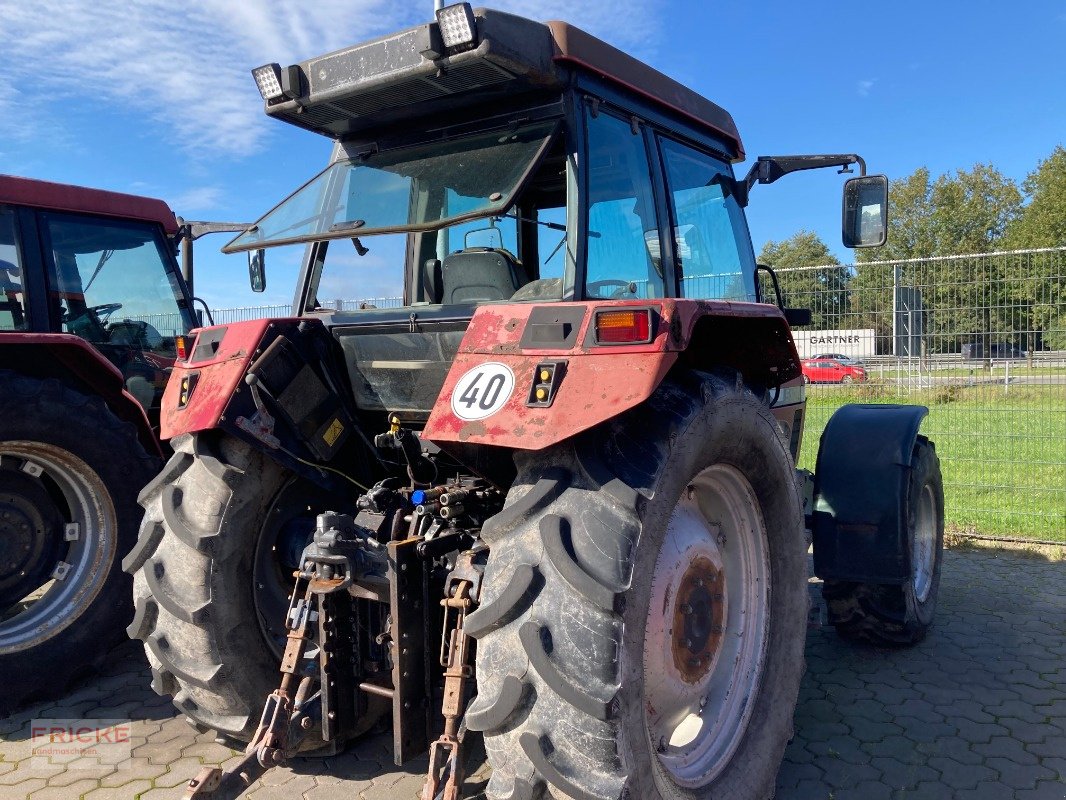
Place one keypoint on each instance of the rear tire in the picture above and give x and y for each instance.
(209, 581)
(65, 460)
(579, 606)
(893, 615)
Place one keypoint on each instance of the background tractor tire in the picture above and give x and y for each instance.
(669, 540)
(70, 471)
(892, 615)
(209, 582)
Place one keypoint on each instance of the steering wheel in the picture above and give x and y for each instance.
(623, 289)
(104, 310)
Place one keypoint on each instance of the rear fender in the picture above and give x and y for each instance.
(298, 413)
(860, 484)
(597, 382)
(77, 363)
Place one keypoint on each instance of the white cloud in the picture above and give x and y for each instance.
(197, 199)
(186, 66)
(864, 87)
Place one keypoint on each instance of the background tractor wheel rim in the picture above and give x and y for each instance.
(89, 536)
(701, 676)
(924, 544)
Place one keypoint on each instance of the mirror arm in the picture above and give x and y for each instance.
(768, 169)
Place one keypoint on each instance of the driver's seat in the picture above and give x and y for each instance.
(480, 274)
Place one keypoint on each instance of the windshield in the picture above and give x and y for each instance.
(410, 189)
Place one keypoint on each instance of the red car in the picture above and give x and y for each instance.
(829, 370)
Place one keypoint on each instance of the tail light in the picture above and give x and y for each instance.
(623, 326)
(181, 344)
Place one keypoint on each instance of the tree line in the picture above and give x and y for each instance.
(1017, 299)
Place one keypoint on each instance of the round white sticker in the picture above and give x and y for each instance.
(482, 391)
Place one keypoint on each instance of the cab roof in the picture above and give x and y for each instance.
(65, 197)
(392, 79)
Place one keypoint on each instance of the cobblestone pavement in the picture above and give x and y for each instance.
(976, 712)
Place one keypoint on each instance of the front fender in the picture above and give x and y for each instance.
(860, 489)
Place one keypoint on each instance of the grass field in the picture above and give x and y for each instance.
(1003, 454)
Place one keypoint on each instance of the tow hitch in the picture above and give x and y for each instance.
(320, 676)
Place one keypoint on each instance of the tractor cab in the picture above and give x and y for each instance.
(503, 161)
(530, 164)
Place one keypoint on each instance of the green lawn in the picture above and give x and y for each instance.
(1003, 454)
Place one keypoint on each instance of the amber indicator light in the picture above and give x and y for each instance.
(623, 327)
(182, 347)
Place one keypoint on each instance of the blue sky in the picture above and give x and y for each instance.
(156, 98)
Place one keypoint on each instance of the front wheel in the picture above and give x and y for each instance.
(642, 623)
(890, 614)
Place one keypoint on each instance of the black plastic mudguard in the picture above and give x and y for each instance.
(860, 485)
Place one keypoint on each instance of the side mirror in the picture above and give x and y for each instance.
(865, 211)
(797, 316)
(257, 270)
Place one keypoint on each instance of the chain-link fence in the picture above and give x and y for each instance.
(981, 341)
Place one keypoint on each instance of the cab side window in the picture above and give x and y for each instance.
(714, 254)
(623, 230)
(12, 297)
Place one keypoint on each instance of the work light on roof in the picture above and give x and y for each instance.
(268, 79)
(458, 28)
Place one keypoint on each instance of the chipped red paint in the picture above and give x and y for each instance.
(600, 382)
(216, 379)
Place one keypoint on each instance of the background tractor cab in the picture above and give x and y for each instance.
(93, 314)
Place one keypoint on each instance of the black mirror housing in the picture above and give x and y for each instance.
(797, 316)
(865, 211)
(257, 270)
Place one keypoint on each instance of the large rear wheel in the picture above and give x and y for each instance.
(70, 471)
(223, 530)
(643, 618)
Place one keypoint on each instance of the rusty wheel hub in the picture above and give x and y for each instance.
(699, 619)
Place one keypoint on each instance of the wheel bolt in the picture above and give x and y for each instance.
(686, 609)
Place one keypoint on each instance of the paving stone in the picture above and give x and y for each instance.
(1045, 790)
(971, 713)
(1019, 776)
(961, 776)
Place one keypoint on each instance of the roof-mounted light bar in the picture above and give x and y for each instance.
(276, 84)
(458, 28)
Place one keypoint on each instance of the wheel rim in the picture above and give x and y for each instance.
(706, 632)
(60, 538)
(924, 544)
(287, 529)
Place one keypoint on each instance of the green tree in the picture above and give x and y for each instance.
(1042, 222)
(810, 276)
(968, 212)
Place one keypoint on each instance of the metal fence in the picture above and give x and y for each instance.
(979, 339)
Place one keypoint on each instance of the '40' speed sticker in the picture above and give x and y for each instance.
(482, 391)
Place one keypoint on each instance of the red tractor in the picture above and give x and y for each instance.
(92, 305)
(563, 472)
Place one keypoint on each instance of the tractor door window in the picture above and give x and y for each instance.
(714, 254)
(623, 231)
(12, 298)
